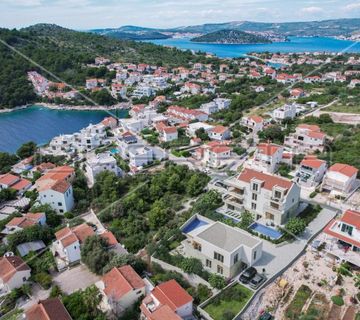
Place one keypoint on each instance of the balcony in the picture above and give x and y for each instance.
(236, 192)
(233, 201)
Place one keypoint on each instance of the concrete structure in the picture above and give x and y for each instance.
(342, 237)
(184, 114)
(121, 288)
(140, 156)
(267, 197)
(14, 273)
(340, 179)
(222, 249)
(306, 139)
(267, 158)
(167, 301)
(287, 111)
(193, 127)
(101, 162)
(311, 171)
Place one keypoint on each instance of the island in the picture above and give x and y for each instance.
(231, 37)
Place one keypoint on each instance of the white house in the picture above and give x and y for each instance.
(267, 197)
(14, 273)
(306, 139)
(167, 301)
(287, 111)
(215, 156)
(340, 179)
(267, 157)
(184, 114)
(209, 108)
(311, 171)
(219, 133)
(140, 156)
(253, 123)
(222, 249)
(121, 288)
(168, 134)
(222, 103)
(101, 162)
(27, 220)
(193, 127)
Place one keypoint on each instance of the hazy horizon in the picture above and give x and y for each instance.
(92, 14)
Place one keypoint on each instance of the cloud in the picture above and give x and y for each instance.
(352, 6)
(312, 10)
(23, 3)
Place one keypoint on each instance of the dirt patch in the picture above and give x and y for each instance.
(335, 312)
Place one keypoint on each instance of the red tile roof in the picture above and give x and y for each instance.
(339, 236)
(120, 281)
(8, 179)
(171, 294)
(50, 309)
(220, 149)
(219, 129)
(256, 119)
(344, 169)
(83, 231)
(109, 236)
(269, 181)
(311, 127)
(312, 163)
(163, 312)
(10, 265)
(351, 217)
(268, 148)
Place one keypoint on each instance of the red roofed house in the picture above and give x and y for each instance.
(109, 122)
(253, 123)
(14, 273)
(340, 179)
(271, 198)
(306, 139)
(219, 133)
(267, 157)
(167, 301)
(66, 247)
(9, 180)
(187, 114)
(342, 237)
(168, 134)
(55, 188)
(311, 171)
(215, 155)
(49, 309)
(121, 288)
(27, 220)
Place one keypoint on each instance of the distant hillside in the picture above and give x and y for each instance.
(231, 37)
(325, 28)
(65, 53)
(128, 33)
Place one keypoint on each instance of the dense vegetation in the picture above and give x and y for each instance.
(231, 36)
(65, 53)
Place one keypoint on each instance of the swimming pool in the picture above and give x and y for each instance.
(266, 231)
(196, 223)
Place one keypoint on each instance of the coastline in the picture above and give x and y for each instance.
(52, 106)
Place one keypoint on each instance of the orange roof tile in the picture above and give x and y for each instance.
(22, 184)
(9, 266)
(8, 179)
(344, 169)
(256, 119)
(109, 236)
(83, 231)
(49, 309)
(351, 217)
(268, 148)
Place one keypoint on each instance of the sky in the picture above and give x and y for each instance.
(88, 14)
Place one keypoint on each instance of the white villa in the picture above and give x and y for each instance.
(253, 123)
(311, 171)
(287, 111)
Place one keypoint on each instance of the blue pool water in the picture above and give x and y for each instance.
(196, 223)
(266, 231)
(296, 44)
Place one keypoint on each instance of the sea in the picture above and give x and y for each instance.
(40, 124)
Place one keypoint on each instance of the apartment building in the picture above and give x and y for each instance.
(267, 158)
(140, 156)
(267, 197)
(167, 301)
(222, 249)
(340, 179)
(311, 171)
(342, 237)
(306, 139)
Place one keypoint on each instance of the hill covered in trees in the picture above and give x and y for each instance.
(66, 53)
(231, 37)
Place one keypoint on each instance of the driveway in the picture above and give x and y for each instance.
(75, 279)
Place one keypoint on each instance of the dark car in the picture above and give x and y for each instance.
(256, 281)
(266, 316)
(247, 275)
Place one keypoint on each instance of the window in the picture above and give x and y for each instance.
(347, 229)
(59, 204)
(208, 263)
(254, 196)
(219, 257)
(197, 246)
(61, 210)
(254, 255)
(220, 269)
(277, 194)
(255, 187)
(24, 279)
(236, 258)
(253, 206)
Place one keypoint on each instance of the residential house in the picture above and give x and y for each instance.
(311, 171)
(209, 108)
(222, 103)
(167, 301)
(267, 158)
(27, 220)
(306, 139)
(215, 156)
(219, 133)
(186, 114)
(121, 288)
(11, 181)
(140, 156)
(342, 237)
(193, 88)
(101, 162)
(49, 309)
(287, 111)
(222, 249)
(129, 138)
(193, 127)
(168, 134)
(23, 165)
(268, 197)
(340, 179)
(253, 123)
(14, 273)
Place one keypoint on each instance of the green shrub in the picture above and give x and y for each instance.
(44, 279)
(338, 300)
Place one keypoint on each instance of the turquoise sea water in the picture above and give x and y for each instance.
(41, 124)
(296, 44)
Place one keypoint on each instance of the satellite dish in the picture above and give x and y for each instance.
(9, 254)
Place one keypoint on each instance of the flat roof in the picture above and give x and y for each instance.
(226, 237)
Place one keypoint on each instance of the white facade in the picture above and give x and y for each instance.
(193, 127)
(60, 201)
(267, 197)
(287, 111)
(311, 172)
(222, 249)
(140, 156)
(340, 179)
(253, 123)
(215, 157)
(99, 163)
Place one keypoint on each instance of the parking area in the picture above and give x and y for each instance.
(76, 278)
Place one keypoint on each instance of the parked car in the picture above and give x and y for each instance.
(266, 316)
(247, 275)
(257, 281)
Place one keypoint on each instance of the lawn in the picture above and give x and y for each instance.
(229, 303)
(293, 311)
